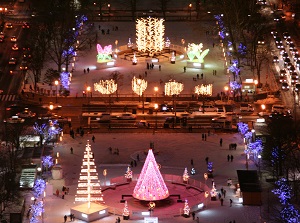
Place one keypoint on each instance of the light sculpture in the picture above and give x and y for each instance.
(89, 188)
(150, 35)
(185, 176)
(204, 89)
(173, 88)
(173, 58)
(134, 59)
(195, 51)
(128, 174)
(150, 185)
(106, 86)
(139, 85)
(186, 208)
(104, 54)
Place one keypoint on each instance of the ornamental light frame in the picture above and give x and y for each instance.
(150, 35)
(204, 89)
(173, 88)
(139, 85)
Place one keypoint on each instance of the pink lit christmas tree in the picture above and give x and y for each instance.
(89, 188)
(125, 211)
(150, 185)
(185, 175)
(186, 209)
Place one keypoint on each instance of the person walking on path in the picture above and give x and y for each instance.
(88, 70)
(228, 158)
(65, 218)
(198, 221)
(222, 201)
(221, 142)
(202, 136)
(231, 158)
(184, 69)
(230, 202)
(206, 160)
(224, 192)
(205, 137)
(192, 162)
(93, 138)
(84, 71)
(71, 150)
(193, 214)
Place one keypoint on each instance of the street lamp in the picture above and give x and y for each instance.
(226, 88)
(156, 90)
(259, 158)
(190, 9)
(156, 109)
(88, 89)
(56, 84)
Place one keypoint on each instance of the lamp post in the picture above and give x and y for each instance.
(259, 158)
(88, 89)
(156, 90)
(156, 109)
(173, 88)
(226, 88)
(108, 5)
(116, 42)
(56, 84)
(190, 9)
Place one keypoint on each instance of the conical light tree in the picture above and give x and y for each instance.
(89, 188)
(185, 175)
(125, 210)
(186, 208)
(150, 185)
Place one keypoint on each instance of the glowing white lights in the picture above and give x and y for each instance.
(173, 88)
(204, 89)
(106, 86)
(139, 85)
(150, 35)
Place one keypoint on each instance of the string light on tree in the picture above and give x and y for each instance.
(139, 85)
(173, 88)
(150, 185)
(106, 86)
(125, 211)
(150, 35)
(185, 176)
(186, 209)
(89, 188)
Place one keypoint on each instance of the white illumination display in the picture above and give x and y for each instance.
(102, 212)
(150, 35)
(84, 215)
(145, 213)
(106, 86)
(204, 89)
(111, 63)
(139, 85)
(173, 88)
(201, 205)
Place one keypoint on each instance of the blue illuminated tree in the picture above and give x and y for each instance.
(47, 162)
(289, 213)
(38, 187)
(210, 167)
(47, 131)
(243, 128)
(37, 209)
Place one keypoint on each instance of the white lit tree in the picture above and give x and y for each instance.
(185, 176)
(150, 185)
(128, 174)
(125, 211)
(89, 188)
(186, 209)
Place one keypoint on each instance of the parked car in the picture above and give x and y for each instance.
(13, 39)
(283, 72)
(244, 107)
(12, 61)
(126, 116)
(208, 108)
(275, 59)
(297, 88)
(285, 86)
(9, 25)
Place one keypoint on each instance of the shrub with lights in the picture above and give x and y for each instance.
(289, 213)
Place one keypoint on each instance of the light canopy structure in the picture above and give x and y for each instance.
(150, 35)
(150, 185)
(89, 188)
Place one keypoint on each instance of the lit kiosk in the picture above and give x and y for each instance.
(89, 191)
(104, 57)
(150, 185)
(196, 55)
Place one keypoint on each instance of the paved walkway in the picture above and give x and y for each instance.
(176, 152)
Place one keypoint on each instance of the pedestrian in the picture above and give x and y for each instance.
(193, 214)
(198, 76)
(148, 66)
(192, 162)
(93, 138)
(184, 69)
(84, 71)
(202, 136)
(119, 220)
(205, 137)
(202, 76)
(146, 73)
(99, 27)
(198, 220)
(206, 160)
(135, 163)
(231, 158)
(221, 142)
(219, 195)
(224, 193)
(222, 201)
(215, 72)
(70, 217)
(230, 202)
(228, 157)
(213, 45)
(71, 150)
(159, 67)
(65, 218)
(88, 70)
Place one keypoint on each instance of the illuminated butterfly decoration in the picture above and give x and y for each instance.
(104, 53)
